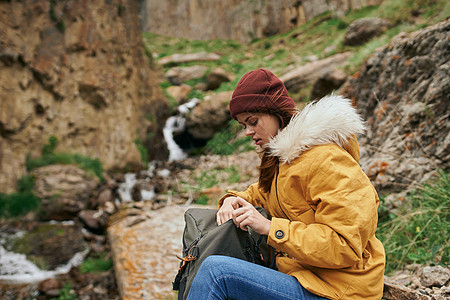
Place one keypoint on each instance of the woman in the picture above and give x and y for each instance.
(323, 206)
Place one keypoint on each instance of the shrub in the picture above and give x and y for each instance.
(22, 202)
(17, 204)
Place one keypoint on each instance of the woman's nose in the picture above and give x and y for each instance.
(249, 131)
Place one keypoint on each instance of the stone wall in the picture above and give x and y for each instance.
(236, 19)
(75, 70)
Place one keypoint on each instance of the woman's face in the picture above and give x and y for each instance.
(260, 126)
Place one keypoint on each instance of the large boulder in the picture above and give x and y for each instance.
(327, 83)
(301, 76)
(403, 93)
(364, 29)
(217, 77)
(178, 75)
(179, 92)
(49, 245)
(210, 116)
(64, 190)
(179, 58)
(78, 73)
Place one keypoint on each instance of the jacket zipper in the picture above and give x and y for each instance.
(276, 195)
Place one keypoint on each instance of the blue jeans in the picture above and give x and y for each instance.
(222, 277)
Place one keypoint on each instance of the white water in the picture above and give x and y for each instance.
(15, 268)
(176, 124)
(173, 124)
(125, 187)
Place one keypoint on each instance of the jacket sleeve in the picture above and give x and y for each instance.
(253, 195)
(345, 204)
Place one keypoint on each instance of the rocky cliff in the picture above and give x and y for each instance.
(75, 70)
(403, 93)
(240, 20)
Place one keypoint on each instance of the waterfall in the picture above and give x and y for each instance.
(173, 125)
(176, 124)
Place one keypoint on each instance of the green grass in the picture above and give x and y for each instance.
(66, 293)
(418, 230)
(142, 150)
(203, 200)
(92, 166)
(208, 179)
(225, 143)
(96, 263)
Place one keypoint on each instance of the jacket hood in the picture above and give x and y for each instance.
(330, 120)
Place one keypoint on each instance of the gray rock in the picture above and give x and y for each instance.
(94, 220)
(190, 57)
(209, 116)
(398, 292)
(217, 77)
(436, 276)
(299, 77)
(64, 190)
(364, 29)
(328, 83)
(50, 287)
(179, 93)
(104, 197)
(178, 75)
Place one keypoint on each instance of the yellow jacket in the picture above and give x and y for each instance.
(323, 206)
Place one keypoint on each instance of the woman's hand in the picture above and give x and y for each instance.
(225, 211)
(245, 214)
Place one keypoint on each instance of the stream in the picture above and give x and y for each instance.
(15, 268)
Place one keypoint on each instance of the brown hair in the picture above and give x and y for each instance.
(269, 164)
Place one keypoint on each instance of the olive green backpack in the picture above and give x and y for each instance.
(202, 237)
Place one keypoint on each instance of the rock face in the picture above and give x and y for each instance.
(403, 93)
(75, 70)
(236, 19)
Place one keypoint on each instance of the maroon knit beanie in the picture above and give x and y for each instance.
(258, 90)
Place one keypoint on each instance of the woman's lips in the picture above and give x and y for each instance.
(258, 141)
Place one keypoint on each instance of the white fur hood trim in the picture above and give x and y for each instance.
(332, 119)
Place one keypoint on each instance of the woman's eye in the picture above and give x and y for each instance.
(253, 122)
